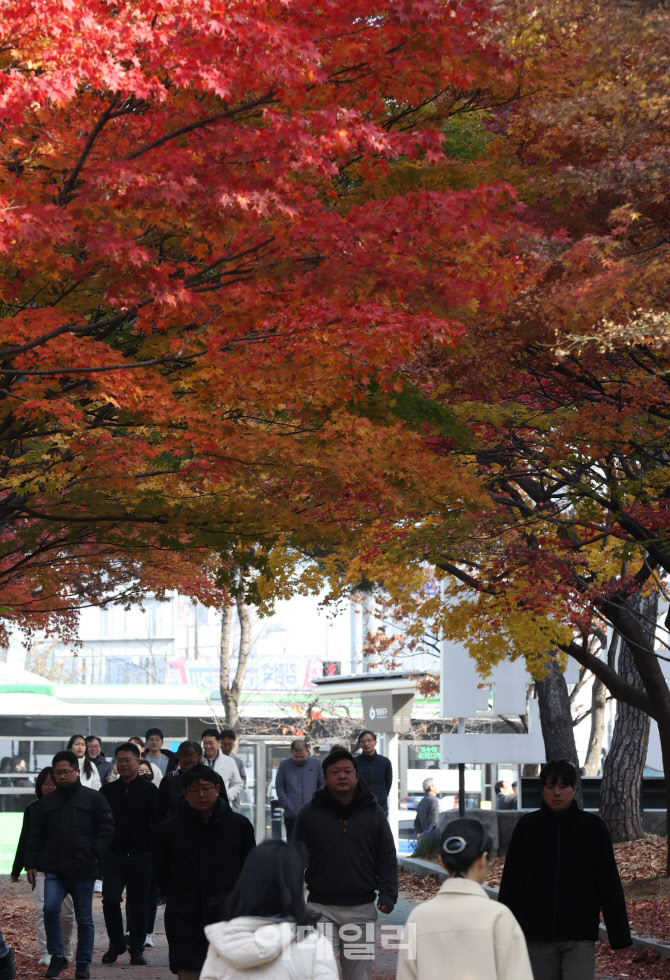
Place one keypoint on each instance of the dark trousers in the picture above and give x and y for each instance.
(574, 960)
(289, 823)
(132, 872)
(152, 906)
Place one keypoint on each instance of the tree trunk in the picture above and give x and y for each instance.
(556, 718)
(224, 663)
(598, 705)
(622, 772)
(231, 692)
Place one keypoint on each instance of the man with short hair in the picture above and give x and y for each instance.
(221, 763)
(197, 857)
(428, 810)
(351, 856)
(170, 792)
(96, 755)
(559, 873)
(298, 778)
(227, 739)
(155, 752)
(505, 797)
(127, 861)
(374, 769)
(70, 830)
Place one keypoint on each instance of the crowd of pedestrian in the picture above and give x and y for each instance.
(233, 909)
(131, 824)
(165, 826)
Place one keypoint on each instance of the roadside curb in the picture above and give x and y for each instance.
(425, 868)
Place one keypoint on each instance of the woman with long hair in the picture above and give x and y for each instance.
(44, 784)
(88, 771)
(461, 932)
(269, 933)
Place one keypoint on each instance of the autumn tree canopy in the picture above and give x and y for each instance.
(563, 410)
(563, 402)
(210, 282)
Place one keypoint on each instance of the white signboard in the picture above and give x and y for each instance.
(446, 780)
(459, 695)
(484, 748)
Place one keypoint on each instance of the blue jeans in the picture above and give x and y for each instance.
(81, 890)
(3, 946)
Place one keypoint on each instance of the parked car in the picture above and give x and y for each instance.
(411, 802)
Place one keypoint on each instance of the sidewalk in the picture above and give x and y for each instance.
(384, 967)
(157, 958)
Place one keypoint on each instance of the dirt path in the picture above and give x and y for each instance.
(16, 920)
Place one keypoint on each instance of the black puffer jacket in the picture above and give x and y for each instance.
(559, 873)
(70, 829)
(134, 806)
(196, 865)
(351, 850)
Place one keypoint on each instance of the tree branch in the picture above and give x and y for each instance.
(66, 191)
(200, 123)
(610, 678)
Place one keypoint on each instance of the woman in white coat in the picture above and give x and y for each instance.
(269, 935)
(88, 771)
(461, 934)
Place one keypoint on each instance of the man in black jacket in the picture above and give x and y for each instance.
(197, 858)
(351, 857)
(170, 792)
(70, 830)
(374, 769)
(559, 873)
(127, 861)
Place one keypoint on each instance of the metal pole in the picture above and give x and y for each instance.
(461, 774)
(261, 789)
(391, 751)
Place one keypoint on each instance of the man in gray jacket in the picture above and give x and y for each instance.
(298, 778)
(428, 810)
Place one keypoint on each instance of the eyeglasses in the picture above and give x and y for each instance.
(201, 790)
(63, 772)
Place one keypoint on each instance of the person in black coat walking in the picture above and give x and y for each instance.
(70, 830)
(127, 862)
(351, 861)
(44, 784)
(559, 873)
(374, 769)
(197, 858)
